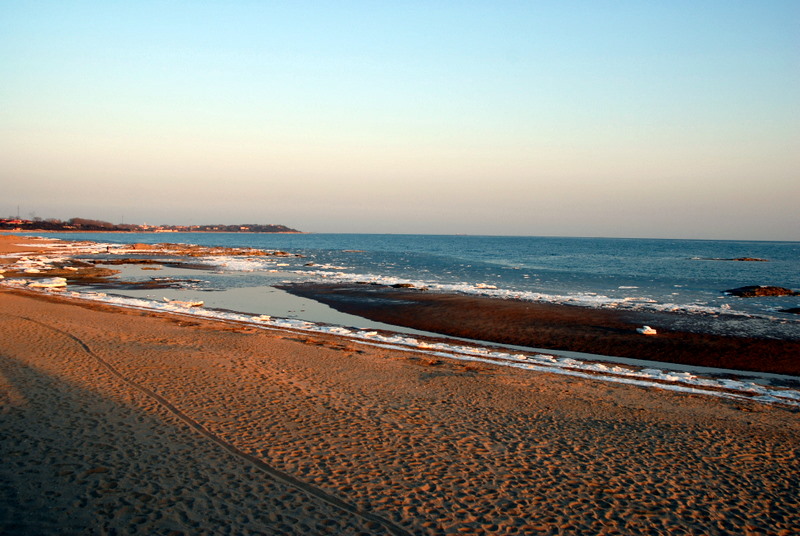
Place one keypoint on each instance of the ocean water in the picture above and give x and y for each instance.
(683, 276)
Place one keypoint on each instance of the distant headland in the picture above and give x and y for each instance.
(83, 224)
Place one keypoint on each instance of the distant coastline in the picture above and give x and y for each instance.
(87, 225)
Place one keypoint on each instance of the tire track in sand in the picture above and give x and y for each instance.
(275, 474)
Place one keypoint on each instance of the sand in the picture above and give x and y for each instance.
(129, 422)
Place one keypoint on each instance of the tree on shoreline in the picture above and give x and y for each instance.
(85, 224)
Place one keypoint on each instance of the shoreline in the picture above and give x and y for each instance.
(80, 231)
(114, 418)
(453, 234)
(602, 334)
(760, 387)
(554, 327)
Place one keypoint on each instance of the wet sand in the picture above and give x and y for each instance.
(133, 422)
(555, 327)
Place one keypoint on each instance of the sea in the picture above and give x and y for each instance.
(688, 277)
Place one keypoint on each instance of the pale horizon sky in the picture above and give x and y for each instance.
(579, 118)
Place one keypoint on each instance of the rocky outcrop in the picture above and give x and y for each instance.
(755, 291)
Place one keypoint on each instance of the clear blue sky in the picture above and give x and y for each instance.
(592, 118)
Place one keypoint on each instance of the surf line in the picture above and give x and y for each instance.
(531, 361)
(275, 474)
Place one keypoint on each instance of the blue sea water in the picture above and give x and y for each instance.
(687, 276)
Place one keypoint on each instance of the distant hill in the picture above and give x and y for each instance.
(83, 224)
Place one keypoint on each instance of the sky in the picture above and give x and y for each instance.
(676, 119)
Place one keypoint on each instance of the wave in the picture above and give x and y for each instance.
(301, 269)
(326, 272)
(584, 299)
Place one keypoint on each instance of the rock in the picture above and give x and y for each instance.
(793, 310)
(761, 290)
(750, 259)
(402, 285)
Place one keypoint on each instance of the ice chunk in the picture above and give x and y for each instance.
(184, 303)
(53, 282)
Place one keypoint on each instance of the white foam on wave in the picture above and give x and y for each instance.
(684, 382)
(584, 299)
(759, 324)
(328, 272)
(237, 264)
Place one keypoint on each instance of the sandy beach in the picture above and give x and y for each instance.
(120, 421)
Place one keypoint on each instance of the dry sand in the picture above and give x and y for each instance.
(128, 422)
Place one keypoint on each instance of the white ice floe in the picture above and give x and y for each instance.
(50, 282)
(181, 303)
